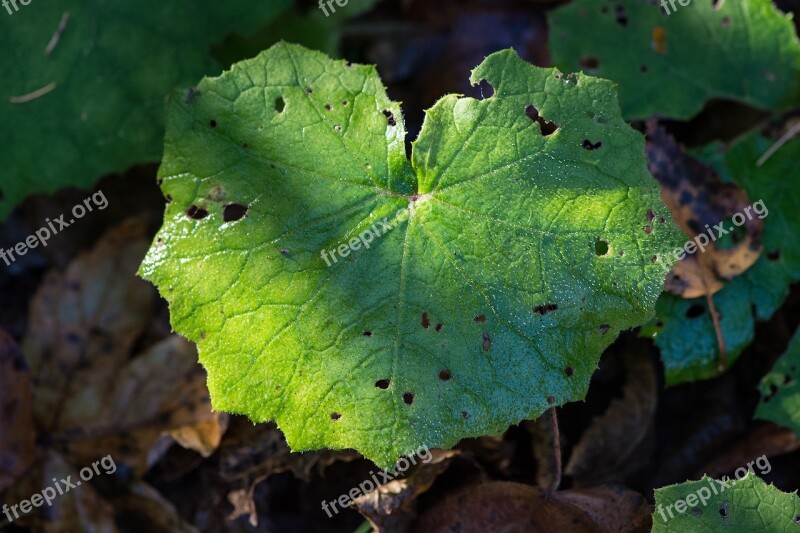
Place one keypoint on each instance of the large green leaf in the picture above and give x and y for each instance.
(672, 64)
(513, 260)
(684, 331)
(780, 390)
(743, 505)
(109, 73)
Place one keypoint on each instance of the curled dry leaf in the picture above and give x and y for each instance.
(511, 507)
(17, 433)
(392, 506)
(699, 202)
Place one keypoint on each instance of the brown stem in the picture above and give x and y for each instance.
(556, 450)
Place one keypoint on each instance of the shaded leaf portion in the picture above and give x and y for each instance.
(780, 390)
(743, 505)
(492, 271)
(684, 331)
(105, 82)
(750, 52)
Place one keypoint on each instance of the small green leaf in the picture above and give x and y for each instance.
(780, 390)
(743, 50)
(684, 331)
(105, 81)
(741, 505)
(486, 302)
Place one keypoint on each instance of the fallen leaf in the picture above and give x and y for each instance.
(17, 433)
(514, 507)
(699, 201)
(613, 444)
(392, 506)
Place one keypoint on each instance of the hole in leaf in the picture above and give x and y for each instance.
(285, 251)
(695, 311)
(383, 384)
(726, 21)
(487, 342)
(486, 89)
(345, 102)
(604, 328)
(234, 212)
(335, 416)
(445, 375)
(621, 15)
(280, 104)
(600, 247)
(439, 327)
(389, 117)
(696, 511)
(480, 319)
(716, 4)
(337, 128)
(774, 255)
(654, 259)
(588, 145)
(545, 127)
(589, 63)
(308, 90)
(643, 69)
(367, 334)
(196, 213)
(212, 123)
(328, 107)
(723, 510)
(544, 309)
(569, 372)
(464, 414)
(650, 215)
(408, 398)
(551, 400)
(426, 323)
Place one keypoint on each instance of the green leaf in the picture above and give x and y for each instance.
(311, 29)
(514, 259)
(780, 391)
(743, 50)
(731, 505)
(684, 331)
(109, 74)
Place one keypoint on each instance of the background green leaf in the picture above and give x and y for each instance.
(522, 257)
(743, 50)
(748, 505)
(684, 331)
(112, 68)
(780, 390)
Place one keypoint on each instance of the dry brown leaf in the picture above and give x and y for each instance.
(612, 445)
(82, 325)
(203, 437)
(392, 506)
(699, 200)
(505, 507)
(17, 432)
(159, 391)
(81, 508)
